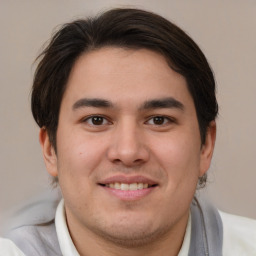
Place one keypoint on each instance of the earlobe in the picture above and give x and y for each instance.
(208, 148)
(49, 154)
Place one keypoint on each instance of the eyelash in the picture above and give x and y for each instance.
(89, 120)
(167, 120)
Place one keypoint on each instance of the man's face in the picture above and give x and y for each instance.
(129, 152)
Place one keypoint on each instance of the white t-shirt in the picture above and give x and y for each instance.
(239, 235)
(8, 248)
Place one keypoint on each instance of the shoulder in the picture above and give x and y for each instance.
(32, 228)
(38, 210)
(9, 248)
(239, 235)
(38, 239)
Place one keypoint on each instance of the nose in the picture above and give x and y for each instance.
(127, 146)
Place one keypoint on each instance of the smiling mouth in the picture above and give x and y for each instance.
(128, 187)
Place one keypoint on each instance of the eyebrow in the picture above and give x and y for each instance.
(96, 103)
(150, 104)
(162, 103)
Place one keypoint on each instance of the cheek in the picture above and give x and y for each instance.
(180, 163)
(180, 158)
(79, 153)
(78, 158)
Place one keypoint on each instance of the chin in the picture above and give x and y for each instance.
(133, 233)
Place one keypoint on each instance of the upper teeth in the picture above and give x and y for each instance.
(125, 186)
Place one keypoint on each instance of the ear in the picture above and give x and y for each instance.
(49, 154)
(207, 149)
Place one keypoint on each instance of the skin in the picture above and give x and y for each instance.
(128, 138)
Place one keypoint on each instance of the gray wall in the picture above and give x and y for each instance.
(226, 32)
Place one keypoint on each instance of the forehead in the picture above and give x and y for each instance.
(117, 73)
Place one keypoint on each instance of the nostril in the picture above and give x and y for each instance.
(117, 161)
(127, 152)
(128, 162)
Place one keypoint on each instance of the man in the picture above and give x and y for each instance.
(126, 105)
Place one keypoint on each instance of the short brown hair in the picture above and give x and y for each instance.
(126, 28)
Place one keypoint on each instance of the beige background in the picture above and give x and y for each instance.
(226, 32)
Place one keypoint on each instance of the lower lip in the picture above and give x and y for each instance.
(129, 195)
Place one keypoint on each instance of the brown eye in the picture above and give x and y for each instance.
(96, 120)
(158, 120)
